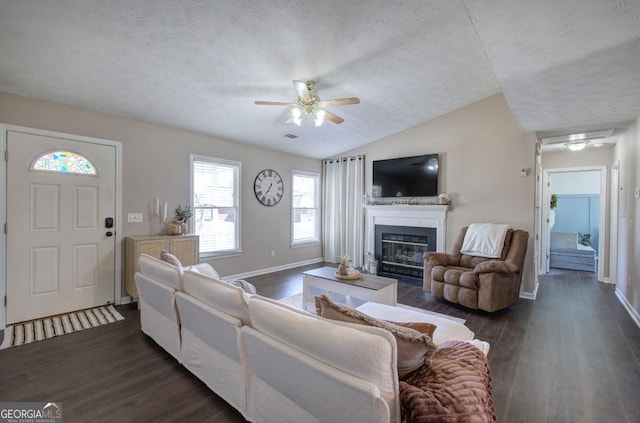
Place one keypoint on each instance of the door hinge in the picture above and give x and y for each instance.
(5, 228)
(5, 300)
(6, 155)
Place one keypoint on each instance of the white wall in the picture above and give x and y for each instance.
(627, 152)
(156, 164)
(482, 151)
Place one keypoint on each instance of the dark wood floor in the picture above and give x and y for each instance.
(573, 355)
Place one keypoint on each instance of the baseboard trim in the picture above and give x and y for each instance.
(632, 312)
(274, 269)
(530, 295)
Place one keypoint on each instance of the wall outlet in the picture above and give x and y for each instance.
(273, 253)
(134, 217)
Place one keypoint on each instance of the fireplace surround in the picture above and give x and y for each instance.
(406, 224)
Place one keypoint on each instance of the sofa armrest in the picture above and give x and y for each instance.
(496, 266)
(441, 259)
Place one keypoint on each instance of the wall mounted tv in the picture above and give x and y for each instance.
(415, 176)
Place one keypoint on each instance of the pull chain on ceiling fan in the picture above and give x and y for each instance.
(309, 107)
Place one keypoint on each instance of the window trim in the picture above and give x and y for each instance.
(222, 253)
(306, 241)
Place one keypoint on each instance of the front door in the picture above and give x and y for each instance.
(61, 194)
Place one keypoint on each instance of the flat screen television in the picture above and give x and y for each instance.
(415, 176)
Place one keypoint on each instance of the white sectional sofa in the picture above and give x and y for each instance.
(273, 362)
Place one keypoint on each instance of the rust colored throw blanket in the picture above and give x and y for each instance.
(455, 387)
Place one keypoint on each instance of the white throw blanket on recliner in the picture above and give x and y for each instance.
(484, 239)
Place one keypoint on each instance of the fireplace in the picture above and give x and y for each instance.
(411, 230)
(400, 249)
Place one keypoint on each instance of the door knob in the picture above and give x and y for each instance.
(109, 233)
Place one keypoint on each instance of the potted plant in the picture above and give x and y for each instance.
(179, 225)
(183, 213)
(552, 212)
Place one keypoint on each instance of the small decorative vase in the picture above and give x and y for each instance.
(174, 228)
(342, 270)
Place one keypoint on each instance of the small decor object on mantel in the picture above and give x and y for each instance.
(443, 198)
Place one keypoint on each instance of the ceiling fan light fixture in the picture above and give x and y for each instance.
(319, 119)
(577, 145)
(296, 115)
(309, 108)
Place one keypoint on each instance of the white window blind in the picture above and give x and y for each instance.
(216, 204)
(305, 207)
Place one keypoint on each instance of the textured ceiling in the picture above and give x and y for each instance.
(199, 65)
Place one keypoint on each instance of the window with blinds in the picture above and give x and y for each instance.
(215, 193)
(305, 211)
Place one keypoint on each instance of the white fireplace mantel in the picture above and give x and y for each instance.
(421, 216)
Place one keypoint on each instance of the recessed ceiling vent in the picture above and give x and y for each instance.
(593, 135)
(292, 136)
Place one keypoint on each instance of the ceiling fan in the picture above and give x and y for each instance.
(309, 107)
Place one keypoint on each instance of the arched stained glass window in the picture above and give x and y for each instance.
(63, 162)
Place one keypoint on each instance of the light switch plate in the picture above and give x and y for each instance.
(134, 218)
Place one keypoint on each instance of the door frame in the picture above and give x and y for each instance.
(4, 129)
(603, 209)
(613, 223)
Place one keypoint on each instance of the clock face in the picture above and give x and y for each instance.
(268, 187)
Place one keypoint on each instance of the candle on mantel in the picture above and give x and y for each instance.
(157, 206)
(164, 215)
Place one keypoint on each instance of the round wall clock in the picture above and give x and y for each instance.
(268, 187)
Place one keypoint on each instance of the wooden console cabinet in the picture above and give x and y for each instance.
(185, 247)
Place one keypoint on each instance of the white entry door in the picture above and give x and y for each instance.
(60, 248)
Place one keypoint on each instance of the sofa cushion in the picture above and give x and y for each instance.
(171, 259)
(465, 278)
(216, 293)
(205, 269)
(414, 348)
(347, 347)
(160, 271)
(247, 287)
(446, 329)
(426, 328)
(456, 387)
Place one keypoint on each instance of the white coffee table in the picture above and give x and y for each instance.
(351, 292)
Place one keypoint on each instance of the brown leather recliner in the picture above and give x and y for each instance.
(478, 282)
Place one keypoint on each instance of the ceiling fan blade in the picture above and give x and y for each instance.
(341, 101)
(301, 88)
(333, 118)
(273, 103)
